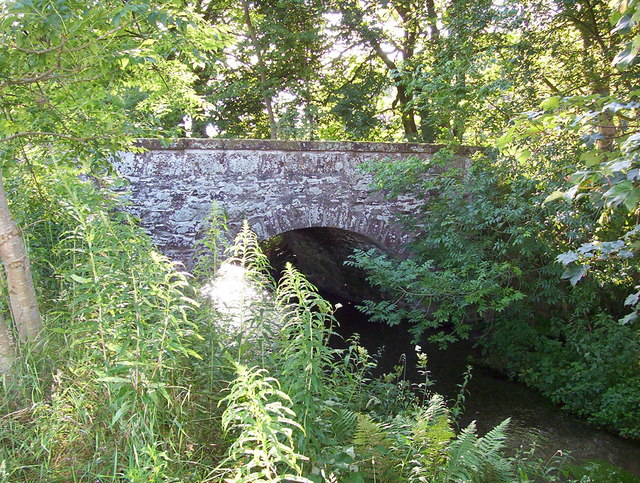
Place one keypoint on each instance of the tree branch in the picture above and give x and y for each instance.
(43, 51)
(68, 137)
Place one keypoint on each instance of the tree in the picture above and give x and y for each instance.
(264, 85)
(261, 68)
(78, 82)
(22, 294)
(429, 51)
(373, 26)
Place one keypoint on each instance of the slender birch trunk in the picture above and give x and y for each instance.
(7, 347)
(22, 294)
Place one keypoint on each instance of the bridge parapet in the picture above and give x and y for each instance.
(277, 186)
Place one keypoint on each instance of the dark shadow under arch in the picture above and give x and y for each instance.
(320, 253)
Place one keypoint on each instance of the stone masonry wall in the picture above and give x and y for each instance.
(276, 185)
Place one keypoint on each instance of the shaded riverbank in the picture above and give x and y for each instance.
(492, 397)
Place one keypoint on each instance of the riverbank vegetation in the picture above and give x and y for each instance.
(533, 250)
(115, 368)
(141, 378)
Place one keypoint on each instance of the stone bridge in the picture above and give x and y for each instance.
(277, 186)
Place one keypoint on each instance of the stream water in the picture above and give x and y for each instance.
(492, 397)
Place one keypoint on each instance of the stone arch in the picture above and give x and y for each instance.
(320, 254)
(384, 231)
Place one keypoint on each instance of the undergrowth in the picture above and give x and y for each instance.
(142, 377)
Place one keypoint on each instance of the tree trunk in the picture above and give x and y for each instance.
(608, 130)
(432, 18)
(262, 69)
(22, 294)
(407, 114)
(7, 347)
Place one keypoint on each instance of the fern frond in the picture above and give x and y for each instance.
(465, 460)
(375, 449)
(430, 437)
(497, 467)
(479, 459)
(344, 423)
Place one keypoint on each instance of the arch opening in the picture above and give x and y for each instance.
(319, 253)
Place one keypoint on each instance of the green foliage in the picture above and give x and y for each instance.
(287, 38)
(373, 444)
(260, 415)
(592, 373)
(71, 70)
(431, 435)
(599, 130)
(479, 458)
(239, 319)
(302, 354)
(421, 446)
(485, 266)
(129, 386)
(597, 470)
(212, 244)
(429, 71)
(349, 374)
(132, 371)
(353, 107)
(607, 180)
(465, 267)
(247, 252)
(323, 403)
(625, 17)
(108, 387)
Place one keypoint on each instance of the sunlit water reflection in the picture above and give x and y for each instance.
(243, 307)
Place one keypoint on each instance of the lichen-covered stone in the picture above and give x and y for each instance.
(276, 185)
